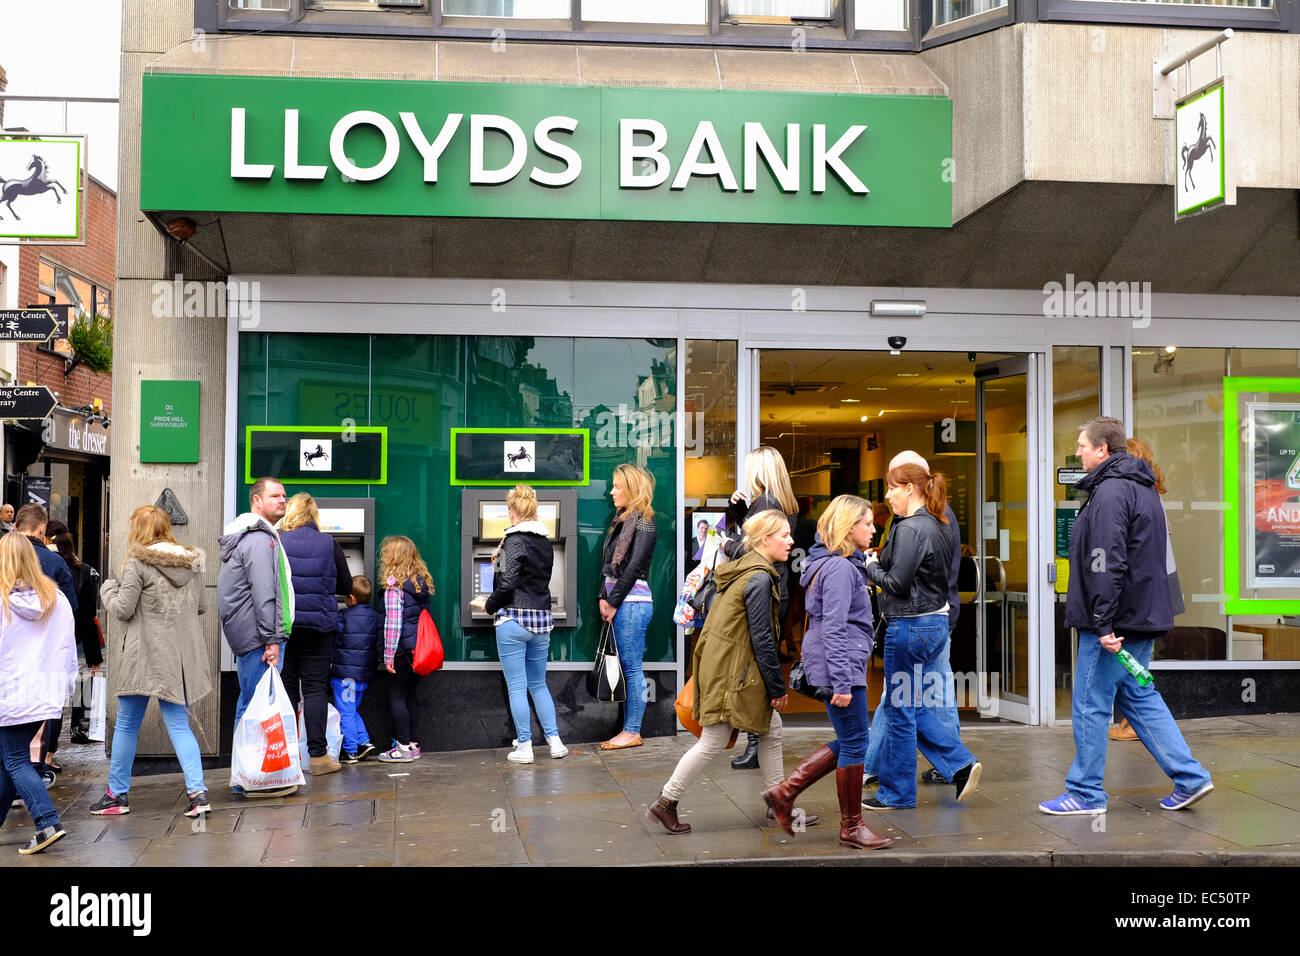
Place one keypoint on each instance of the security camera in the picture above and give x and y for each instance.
(896, 343)
(791, 390)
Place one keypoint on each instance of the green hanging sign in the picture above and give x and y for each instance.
(379, 147)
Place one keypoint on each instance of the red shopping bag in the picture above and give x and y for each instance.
(428, 646)
(277, 747)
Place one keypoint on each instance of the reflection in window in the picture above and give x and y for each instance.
(279, 5)
(421, 386)
(519, 9)
(881, 15)
(1204, 3)
(946, 11)
(660, 11)
(780, 11)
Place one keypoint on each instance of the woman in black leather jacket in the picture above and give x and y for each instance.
(625, 597)
(912, 573)
(766, 488)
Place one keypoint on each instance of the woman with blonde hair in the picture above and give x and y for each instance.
(912, 572)
(738, 681)
(1140, 449)
(626, 600)
(320, 575)
(408, 585)
(836, 651)
(520, 604)
(38, 667)
(163, 653)
(766, 488)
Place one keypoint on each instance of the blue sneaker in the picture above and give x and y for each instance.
(1181, 801)
(1067, 805)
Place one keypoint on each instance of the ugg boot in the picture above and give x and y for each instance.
(323, 765)
(811, 769)
(665, 811)
(848, 783)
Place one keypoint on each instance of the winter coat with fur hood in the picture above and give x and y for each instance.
(160, 651)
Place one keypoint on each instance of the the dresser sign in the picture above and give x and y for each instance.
(72, 433)
(380, 147)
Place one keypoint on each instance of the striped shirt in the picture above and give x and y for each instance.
(640, 593)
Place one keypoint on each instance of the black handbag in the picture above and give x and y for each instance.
(798, 681)
(605, 681)
(799, 684)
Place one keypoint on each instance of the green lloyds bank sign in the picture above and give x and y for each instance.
(378, 147)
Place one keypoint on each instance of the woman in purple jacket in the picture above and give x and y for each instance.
(836, 650)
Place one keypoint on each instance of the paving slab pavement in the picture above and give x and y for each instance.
(475, 808)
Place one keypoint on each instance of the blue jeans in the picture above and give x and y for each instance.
(630, 624)
(347, 698)
(850, 726)
(947, 713)
(523, 659)
(19, 777)
(1100, 684)
(915, 646)
(126, 733)
(251, 668)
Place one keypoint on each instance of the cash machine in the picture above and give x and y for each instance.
(351, 521)
(483, 521)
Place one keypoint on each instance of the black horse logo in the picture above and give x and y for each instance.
(521, 455)
(1194, 152)
(309, 456)
(38, 182)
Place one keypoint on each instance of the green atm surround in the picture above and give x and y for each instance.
(478, 543)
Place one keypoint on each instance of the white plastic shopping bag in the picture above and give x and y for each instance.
(333, 736)
(266, 740)
(98, 707)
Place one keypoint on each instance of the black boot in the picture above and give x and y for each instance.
(749, 759)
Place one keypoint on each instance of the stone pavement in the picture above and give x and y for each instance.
(476, 808)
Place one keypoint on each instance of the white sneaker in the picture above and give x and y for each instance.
(523, 753)
(558, 749)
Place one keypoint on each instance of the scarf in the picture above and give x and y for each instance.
(629, 520)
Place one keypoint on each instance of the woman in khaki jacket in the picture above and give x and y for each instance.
(738, 681)
(160, 652)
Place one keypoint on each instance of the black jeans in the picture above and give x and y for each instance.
(402, 700)
(307, 656)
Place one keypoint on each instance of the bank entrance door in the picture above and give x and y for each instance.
(1006, 549)
(838, 416)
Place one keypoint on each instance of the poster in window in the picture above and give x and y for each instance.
(1275, 495)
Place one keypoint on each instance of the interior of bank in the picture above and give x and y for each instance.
(839, 416)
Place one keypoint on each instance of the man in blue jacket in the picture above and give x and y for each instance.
(1119, 599)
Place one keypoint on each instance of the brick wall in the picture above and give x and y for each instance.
(95, 261)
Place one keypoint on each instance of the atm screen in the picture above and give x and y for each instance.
(494, 518)
(483, 574)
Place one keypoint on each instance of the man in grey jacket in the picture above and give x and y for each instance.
(255, 594)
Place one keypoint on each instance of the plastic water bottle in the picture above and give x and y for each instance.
(1140, 673)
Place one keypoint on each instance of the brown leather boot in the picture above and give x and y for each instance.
(808, 818)
(781, 797)
(848, 783)
(665, 811)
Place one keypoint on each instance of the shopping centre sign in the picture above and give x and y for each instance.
(340, 146)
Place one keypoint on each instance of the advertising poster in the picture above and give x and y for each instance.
(1275, 495)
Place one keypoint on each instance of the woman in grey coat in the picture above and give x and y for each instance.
(158, 651)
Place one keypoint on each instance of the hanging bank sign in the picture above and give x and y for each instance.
(372, 147)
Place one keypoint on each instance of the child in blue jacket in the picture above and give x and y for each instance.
(355, 653)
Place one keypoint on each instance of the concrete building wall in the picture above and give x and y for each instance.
(146, 347)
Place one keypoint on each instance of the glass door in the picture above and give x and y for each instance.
(1006, 658)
